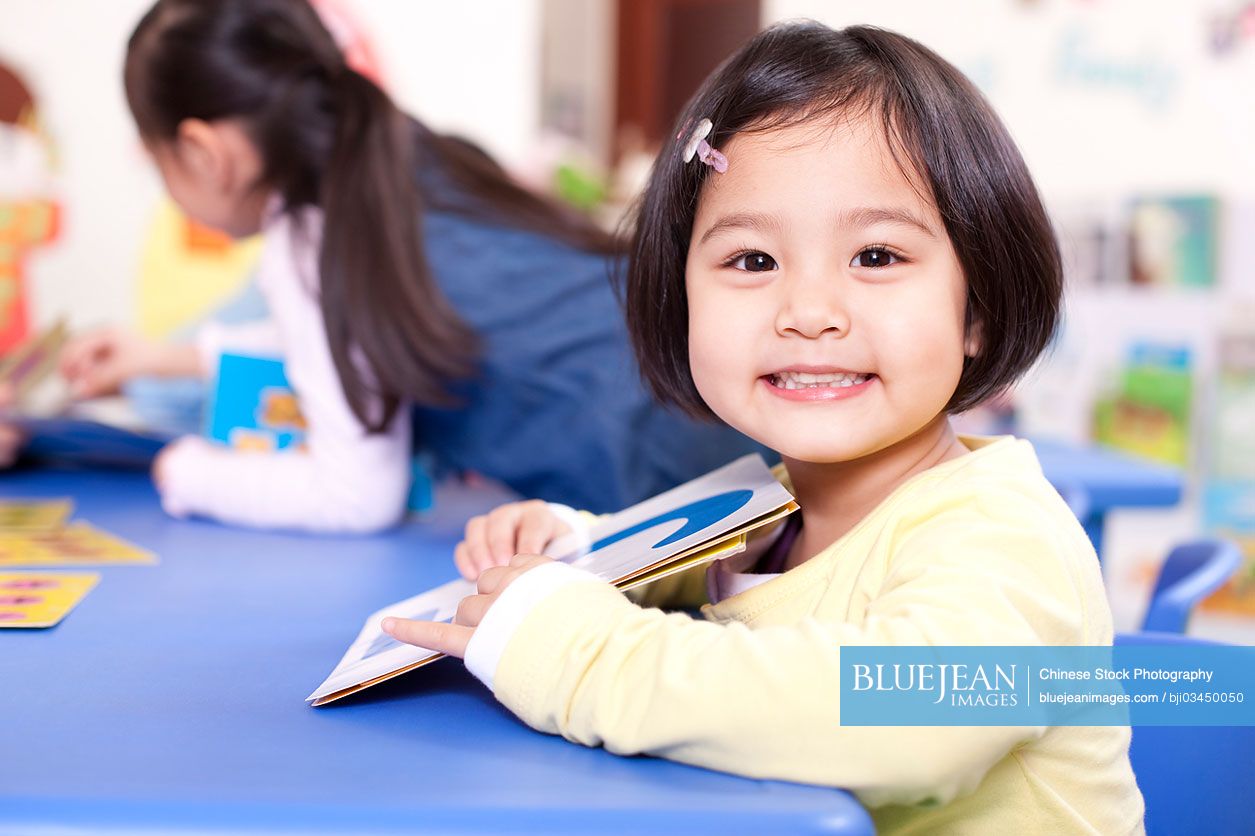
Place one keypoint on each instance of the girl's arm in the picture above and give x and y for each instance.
(341, 484)
(765, 702)
(345, 481)
(99, 363)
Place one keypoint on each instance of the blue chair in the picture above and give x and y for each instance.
(1191, 572)
(1195, 779)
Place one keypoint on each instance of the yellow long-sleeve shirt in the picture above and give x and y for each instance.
(979, 550)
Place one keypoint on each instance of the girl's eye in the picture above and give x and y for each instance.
(754, 262)
(875, 257)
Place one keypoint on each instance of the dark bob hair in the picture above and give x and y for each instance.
(943, 134)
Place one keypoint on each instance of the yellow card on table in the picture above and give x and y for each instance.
(78, 544)
(29, 599)
(25, 515)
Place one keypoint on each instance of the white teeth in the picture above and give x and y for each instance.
(805, 380)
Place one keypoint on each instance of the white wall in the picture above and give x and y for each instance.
(470, 67)
(1103, 97)
(70, 53)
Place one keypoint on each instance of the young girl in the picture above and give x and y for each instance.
(404, 271)
(879, 250)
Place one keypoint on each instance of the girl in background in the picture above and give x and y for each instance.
(860, 218)
(418, 295)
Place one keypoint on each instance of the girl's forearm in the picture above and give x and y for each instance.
(176, 360)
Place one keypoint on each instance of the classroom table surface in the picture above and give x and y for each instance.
(172, 700)
(1111, 479)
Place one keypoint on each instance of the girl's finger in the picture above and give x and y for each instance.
(501, 530)
(82, 353)
(523, 562)
(463, 561)
(471, 610)
(483, 565)
(476, 542)
(536, 529)
(432, 635)
(71, 361)
(491, 579)
(93, 382)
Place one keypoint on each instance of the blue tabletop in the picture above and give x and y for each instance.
(1110, 479)
(172, 699)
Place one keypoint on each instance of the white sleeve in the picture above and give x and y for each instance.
(347, 480)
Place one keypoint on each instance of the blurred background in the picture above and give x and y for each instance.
(1137, 120)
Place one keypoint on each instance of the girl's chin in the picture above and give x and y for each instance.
(817, 450)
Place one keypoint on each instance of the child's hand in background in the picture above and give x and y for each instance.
(452, 638)
(99, 363)
(512, 529)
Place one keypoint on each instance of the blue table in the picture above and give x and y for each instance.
(171, 699)
(1095, 481)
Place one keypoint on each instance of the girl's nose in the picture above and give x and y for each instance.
(812, 307)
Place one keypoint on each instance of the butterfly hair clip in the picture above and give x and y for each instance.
(699, 147)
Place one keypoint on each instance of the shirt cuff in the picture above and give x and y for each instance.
(181, 472)
(488, 642)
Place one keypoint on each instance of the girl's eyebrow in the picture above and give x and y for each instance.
(742, 220)
(870, 216)
(852, 218)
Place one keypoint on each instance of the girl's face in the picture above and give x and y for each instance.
(209, 170)
(826, 302)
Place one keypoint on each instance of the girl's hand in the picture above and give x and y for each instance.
(453, 638)
(98, 364)
(515, 528)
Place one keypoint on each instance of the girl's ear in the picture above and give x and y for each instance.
(203, 152)
(974, 340)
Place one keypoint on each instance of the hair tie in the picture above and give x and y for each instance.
(697, 145)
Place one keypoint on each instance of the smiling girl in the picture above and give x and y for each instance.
(874, 259)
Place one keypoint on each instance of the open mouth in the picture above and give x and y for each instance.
(792, 381)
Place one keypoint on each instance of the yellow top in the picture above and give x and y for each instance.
(979, 550)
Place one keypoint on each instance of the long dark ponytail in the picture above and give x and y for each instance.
(330, 137)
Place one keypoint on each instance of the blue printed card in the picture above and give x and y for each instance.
(253, 406)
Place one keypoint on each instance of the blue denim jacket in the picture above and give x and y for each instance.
(559, 411)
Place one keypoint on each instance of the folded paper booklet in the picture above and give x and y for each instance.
(703, 520)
